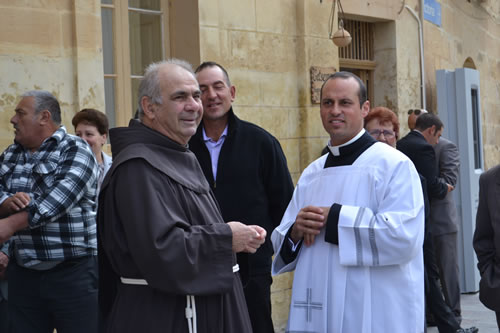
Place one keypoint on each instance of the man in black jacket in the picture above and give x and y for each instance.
(418, 146)
(247, 170)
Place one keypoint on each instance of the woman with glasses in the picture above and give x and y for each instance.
(383, 125)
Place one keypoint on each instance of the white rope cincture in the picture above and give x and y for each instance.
(137, 282)
(190, 302)
(191, 314)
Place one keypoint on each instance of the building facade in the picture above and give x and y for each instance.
(91, 53)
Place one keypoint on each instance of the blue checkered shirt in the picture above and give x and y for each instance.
(61, 179)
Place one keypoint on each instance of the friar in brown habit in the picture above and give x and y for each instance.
(167, 259)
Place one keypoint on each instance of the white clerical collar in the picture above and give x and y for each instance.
(336, 149)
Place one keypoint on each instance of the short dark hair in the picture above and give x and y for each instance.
(92, 117)
(384, 115)
(209, 64)
(344, 76)
(426, 120)
(44, 100)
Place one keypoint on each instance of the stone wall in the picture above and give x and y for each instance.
(50, 45)
(469, 30)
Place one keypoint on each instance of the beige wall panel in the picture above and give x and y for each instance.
(210, 46)
(238, 14)
(90, 84)
(310, 149)
(280, 293)
(377, 9)
(310, 122)
(291, 148)
(262, 52)
(209, 13)
(89, 39)
(276, 16)
(316, 16)
(385, 75)
(279, 89)
(294, 123)
(272, 119)
(492, 154)
(49, 5)
(40, 33)
(408, 67)
(248, 86)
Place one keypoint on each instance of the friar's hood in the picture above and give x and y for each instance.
(164, 154)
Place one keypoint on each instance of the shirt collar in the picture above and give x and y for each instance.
(206, 138)
(336, 149)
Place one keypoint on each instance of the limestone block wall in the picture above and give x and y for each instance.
(50, 45)
(469, 30)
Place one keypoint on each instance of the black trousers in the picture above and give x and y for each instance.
(4, 317)
(62, 298)
(444, 317)
(257, 291)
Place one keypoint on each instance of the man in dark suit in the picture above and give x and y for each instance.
(487, 239)
(418, 146)
(443, 225)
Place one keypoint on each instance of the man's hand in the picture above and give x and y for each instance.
(246, 238)
(450, 188)
(4, 261)
(308, 224)
(15, 203)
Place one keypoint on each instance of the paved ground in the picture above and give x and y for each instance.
(475, 314)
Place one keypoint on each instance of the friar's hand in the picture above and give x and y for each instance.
(246, 238)
(308, 224)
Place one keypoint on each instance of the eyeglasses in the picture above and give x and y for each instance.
(387, 134)
(416, 111)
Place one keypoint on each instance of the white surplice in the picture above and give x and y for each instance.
(373, 281)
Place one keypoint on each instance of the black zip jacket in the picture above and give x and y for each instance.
(253, 183)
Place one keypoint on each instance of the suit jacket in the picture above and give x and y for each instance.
(444, 212)
(423, 156)
(487, 238)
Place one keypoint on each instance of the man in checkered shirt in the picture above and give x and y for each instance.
(48, 181)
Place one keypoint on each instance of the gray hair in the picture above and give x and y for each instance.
(150, 84)
(45, 101)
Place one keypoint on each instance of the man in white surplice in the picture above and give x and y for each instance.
(354, 229)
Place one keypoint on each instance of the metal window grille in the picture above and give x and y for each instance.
(361, 47)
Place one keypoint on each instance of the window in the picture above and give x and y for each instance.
(476, 130)
(134, 34)
(357, 57)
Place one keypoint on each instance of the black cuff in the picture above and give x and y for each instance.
(286, 253)
(332, 225)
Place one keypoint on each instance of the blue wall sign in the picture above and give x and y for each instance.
(432, 11)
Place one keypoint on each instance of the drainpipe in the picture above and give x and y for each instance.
(420, 38)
